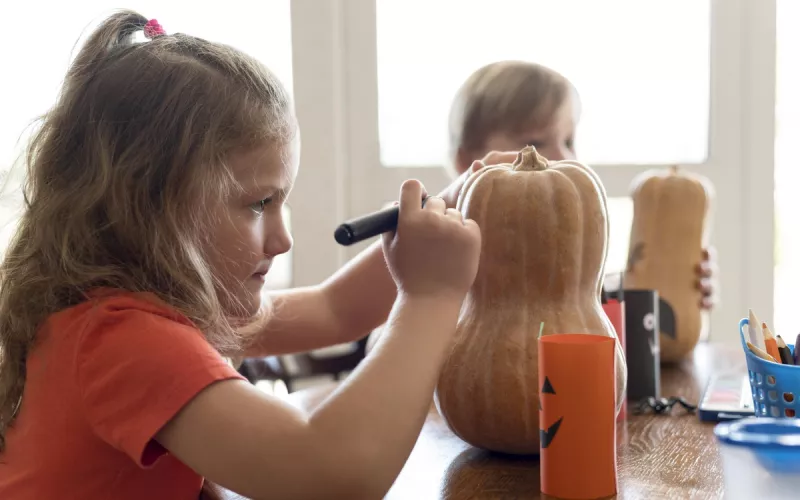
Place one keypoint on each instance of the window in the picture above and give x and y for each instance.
(787, 172)
(641, 68)
(34, 74)
(620, 218)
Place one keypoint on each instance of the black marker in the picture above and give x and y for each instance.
(367, 226)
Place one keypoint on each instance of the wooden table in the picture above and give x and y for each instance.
(659, 456)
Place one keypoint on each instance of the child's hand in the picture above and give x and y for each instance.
(707, 272)
(434, 251)
(451, 192)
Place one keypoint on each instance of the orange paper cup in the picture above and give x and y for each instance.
(576, 416)
(615, 311)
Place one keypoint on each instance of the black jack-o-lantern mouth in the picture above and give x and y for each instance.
(546, 436)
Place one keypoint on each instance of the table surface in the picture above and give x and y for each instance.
(659, 456)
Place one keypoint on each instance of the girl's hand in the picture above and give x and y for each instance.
(451, 192)
(434, 251)
(706, 278)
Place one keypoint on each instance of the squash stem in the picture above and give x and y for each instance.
(529, 159)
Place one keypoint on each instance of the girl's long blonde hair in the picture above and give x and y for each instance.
(119, 175)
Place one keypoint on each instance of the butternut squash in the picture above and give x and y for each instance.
(545, 240)
(670, 229)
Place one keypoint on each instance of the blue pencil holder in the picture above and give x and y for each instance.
(775, 387)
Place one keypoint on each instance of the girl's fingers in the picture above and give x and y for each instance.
(705, 269)
(435, 204)
(452, 213)
(706, 286)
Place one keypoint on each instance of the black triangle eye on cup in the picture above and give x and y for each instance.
(367, 226)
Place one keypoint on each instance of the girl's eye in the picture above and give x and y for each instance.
(258, 207)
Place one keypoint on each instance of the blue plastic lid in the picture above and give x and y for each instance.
(774, 442)
(762, 433)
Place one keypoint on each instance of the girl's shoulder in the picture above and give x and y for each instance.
(109, 373)
(118, 327)
(106, 307)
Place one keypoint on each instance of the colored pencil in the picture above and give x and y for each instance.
(785, 352)
(796, 354)
(770, 343)
(760, 353)
(756, 336)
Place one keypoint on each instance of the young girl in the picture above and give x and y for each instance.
(510, 104)
(153, 212)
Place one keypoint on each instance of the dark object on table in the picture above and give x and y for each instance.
(642, 346)
(662, 405)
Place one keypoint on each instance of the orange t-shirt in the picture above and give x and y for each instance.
(104, 377)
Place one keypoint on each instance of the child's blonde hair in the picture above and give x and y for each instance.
(119, 176)
(505, 97)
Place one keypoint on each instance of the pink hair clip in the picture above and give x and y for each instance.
(152, 29)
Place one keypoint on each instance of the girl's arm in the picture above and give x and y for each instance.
(346, 307)
(355, 444)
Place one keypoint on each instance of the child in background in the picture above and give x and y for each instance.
(507, 105)
(153, 212)
(510, 104)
